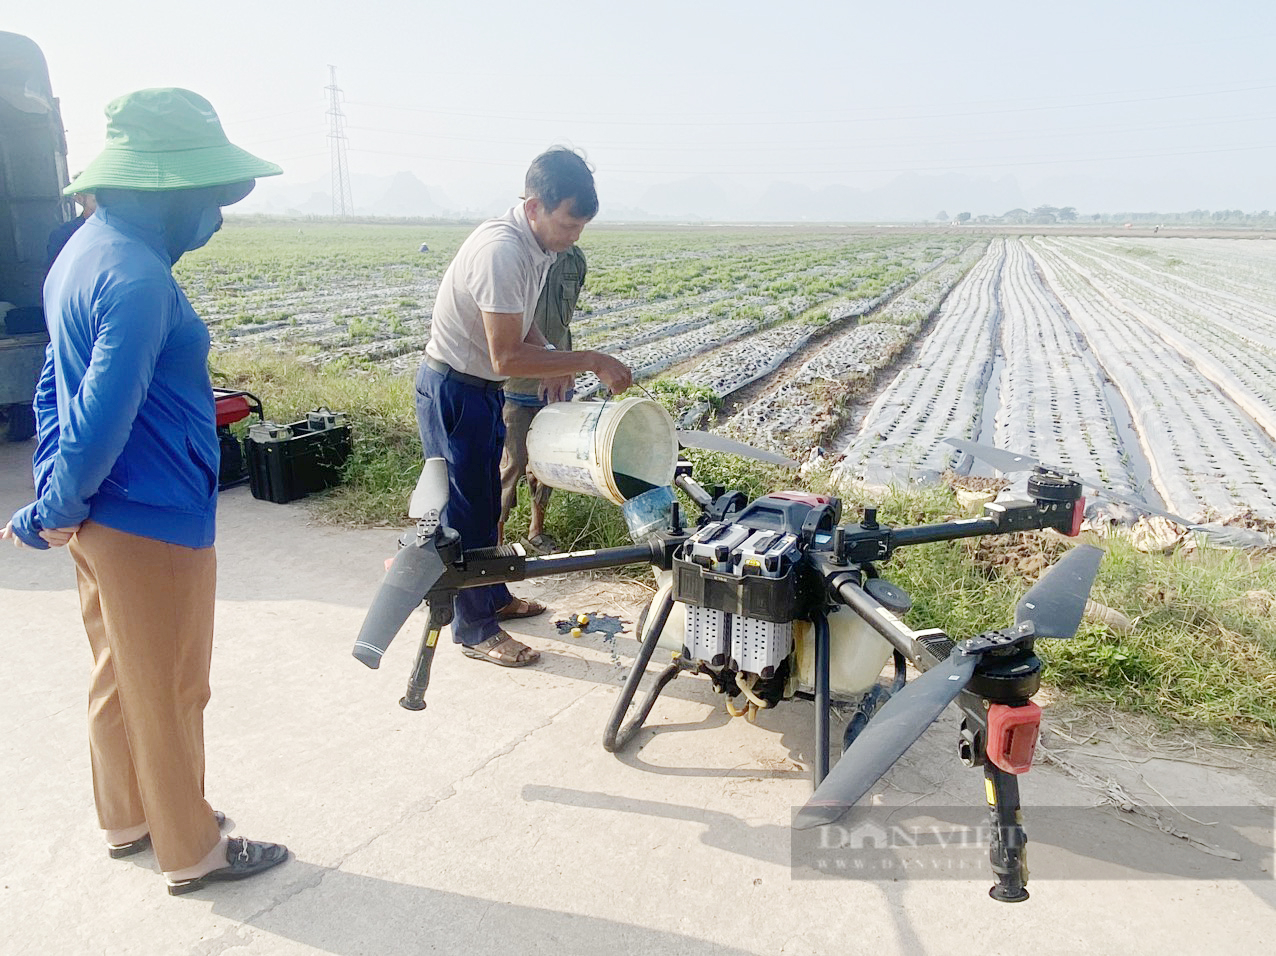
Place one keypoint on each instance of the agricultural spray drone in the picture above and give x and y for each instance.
(779, 597)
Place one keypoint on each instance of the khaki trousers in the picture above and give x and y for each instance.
(514, 460)
(148, 611)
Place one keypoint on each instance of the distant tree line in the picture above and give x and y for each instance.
(1048, 215)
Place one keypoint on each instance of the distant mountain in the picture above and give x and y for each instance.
(697, 198)
(401, 194)
(908, 197)
(404, 195)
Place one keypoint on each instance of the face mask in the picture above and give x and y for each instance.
(210, 220)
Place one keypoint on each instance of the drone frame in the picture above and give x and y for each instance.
(1000, 673)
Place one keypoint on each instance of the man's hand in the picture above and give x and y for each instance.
(613, 373)
(57, 538)
(556, 389)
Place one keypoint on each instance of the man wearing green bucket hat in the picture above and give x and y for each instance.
(126, 474)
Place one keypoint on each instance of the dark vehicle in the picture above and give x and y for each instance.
(32, 173)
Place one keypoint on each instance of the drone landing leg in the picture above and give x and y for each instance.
(614, 738)
(440, 616)
(1009, 848)
(820, 765)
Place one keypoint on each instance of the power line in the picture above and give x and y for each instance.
(795, 147)
(854, 167)
(822, 117)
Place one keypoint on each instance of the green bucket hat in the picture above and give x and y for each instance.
(165, 139)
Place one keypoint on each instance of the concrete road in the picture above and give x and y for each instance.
(494, 822)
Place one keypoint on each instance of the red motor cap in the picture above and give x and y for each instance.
(1078, 515)
(1012, 735)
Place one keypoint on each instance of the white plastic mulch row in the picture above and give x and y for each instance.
(940, 394)
(1205, 454)
(653, 357)
(755, 357)
(730, 369)
(1224, 270)
(1232, 344)
(791, 419)
(634, 333)
(796, 415)
(743, 363)
(1232, 281)
(920, 300)
(1050, 394)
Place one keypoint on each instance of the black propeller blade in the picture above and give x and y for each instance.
(708, 441)
(1054, 605)
(414, 570)
(409, 579)
(999, 458)
(1057, 601)
(888, 735)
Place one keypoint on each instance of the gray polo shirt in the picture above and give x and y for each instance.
(499, 268)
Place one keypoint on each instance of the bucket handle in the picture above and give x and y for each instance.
(598, 422)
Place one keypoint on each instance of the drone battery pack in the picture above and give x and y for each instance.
(759, 647)
(768, 599)
(768, 554)
(714, 545)
(296, 460)
(705, 635)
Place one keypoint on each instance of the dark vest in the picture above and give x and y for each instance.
(554, 310)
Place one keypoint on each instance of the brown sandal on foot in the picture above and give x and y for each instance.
(502, 649)
(520, 607)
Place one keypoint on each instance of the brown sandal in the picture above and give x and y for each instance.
(520, 607)
(502, 649)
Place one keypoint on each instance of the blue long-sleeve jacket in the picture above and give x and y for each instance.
(124, 406)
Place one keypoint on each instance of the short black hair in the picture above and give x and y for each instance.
(560, 174)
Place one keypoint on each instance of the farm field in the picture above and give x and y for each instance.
(1148, 363)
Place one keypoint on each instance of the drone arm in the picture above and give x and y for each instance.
(846, 587)
(1000, 517)
(481, 567)
(948, 531)
(695, 491)
(869, 541)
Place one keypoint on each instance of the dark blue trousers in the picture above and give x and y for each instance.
(463, 424)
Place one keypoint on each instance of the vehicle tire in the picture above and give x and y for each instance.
(21, 422)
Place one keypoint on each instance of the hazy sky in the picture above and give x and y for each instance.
(1101, 104)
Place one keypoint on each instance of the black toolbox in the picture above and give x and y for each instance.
(286, 462)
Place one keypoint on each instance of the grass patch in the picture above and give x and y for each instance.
(1203, 648)
(386, 457)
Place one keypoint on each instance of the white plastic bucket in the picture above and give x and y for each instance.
(614, 450)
